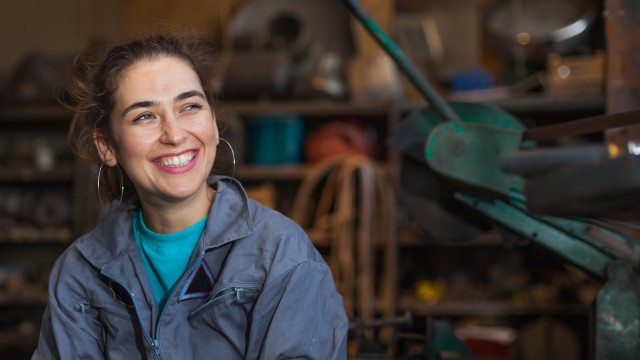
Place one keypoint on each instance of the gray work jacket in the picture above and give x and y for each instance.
(256, 289)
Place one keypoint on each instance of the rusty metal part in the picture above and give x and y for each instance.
(623, 65)
(583, 126)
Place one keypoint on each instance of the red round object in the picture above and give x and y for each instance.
(336, 138)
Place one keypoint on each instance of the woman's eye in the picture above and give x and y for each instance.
(192, 107)
(144, 116)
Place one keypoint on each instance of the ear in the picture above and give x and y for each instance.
(105, 149)
(215, 127)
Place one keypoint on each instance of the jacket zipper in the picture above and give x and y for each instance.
(155, 343)
(156, 348)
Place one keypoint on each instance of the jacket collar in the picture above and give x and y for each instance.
(229, 219)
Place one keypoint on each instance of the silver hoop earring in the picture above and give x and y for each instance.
(233, 158)
(121, 185)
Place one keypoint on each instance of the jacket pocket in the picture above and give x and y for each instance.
(225, 318)
(110, 309)
(227, 297)
(121, 329)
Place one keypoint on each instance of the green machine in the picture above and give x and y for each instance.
(576, 205)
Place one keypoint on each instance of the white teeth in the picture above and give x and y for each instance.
(174, 161)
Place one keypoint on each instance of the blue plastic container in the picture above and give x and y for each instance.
(275, 139)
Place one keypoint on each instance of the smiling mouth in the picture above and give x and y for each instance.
(177, 161)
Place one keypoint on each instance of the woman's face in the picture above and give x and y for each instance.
(164, 131)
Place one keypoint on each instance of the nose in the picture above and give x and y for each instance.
(172, 132)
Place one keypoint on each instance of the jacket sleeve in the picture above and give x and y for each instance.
(69, 330)
(299, 315)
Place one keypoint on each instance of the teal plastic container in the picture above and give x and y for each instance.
(275, 139)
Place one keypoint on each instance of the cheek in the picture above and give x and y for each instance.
(212, 133)
(208, 133)
(131, 148)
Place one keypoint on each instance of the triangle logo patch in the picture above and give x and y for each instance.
(199, 284)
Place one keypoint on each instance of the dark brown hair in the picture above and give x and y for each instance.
(94, 79)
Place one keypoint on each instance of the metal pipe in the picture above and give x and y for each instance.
(402, 61)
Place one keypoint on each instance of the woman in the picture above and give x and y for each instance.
(180, 265)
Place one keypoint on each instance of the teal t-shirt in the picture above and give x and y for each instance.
(165, 256)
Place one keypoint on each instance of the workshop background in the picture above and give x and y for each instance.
(314, 109)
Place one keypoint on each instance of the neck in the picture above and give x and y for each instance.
(168, 217)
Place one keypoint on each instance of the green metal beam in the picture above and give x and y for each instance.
(402, 61)
(531, 227)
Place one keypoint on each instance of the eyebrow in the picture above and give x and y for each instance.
(139, 104)
(148, 103)
(189, 94)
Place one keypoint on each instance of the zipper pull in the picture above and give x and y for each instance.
(156, 348)
(238, 292)
(81, 307)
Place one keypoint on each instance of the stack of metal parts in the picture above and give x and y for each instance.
(30, 211)
(467, 147)
(287, 49)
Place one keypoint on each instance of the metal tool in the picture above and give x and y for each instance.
(463, 144)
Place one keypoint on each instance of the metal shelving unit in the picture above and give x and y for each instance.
(42, 210)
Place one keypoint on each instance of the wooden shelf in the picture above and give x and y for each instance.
(63, 173)
(532, 103)
(33, 235)
(272, 173)
(487, 308)
(53, 113)
(307, 108)
(18, 340)
(23, 300)
(285, 172)
(542, 103)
